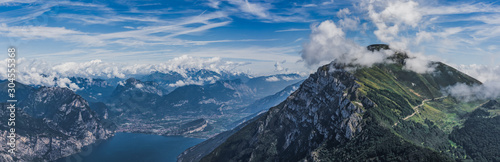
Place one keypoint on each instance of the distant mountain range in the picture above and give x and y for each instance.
(59, 122)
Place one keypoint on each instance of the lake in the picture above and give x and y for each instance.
(135, 147)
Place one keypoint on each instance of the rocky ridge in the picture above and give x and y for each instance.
(53, 123)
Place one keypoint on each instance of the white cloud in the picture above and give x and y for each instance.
(488, 75)
(149, 35)
(391, 17)
(90, 19)
(343, 12)
(262, 10)
(327, 2)
(460, 8)
(328, 43)
(213, 3)
(14, 2)
(272, 79)
(257, 9)
(482, 73)
(310, 5)
(286, 78)
(139, 86)
(66, 83)
(291, 30)
(193, 81)
(418, 63)
(94, 68)
(39, 72)
(475, 92)
(347, 22)
(278, 66)
(405, 24)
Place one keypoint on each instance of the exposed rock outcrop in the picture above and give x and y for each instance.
(53, 123)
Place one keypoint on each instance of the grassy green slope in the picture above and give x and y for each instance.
(397, 92)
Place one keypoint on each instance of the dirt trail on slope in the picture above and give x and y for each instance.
(415, 108)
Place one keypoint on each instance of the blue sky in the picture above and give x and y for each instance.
(268, 35)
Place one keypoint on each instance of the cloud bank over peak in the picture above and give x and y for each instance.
(406, 25)
(328, 42)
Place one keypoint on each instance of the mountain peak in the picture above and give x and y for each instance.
(339, 109)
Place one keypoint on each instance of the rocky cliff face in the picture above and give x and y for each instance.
(319, 111)
(53, 123)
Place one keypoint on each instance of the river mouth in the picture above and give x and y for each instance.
(133, 147)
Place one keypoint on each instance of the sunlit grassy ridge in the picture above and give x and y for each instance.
(398, 93)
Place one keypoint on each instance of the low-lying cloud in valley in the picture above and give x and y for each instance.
(489, 76)
(486, 91)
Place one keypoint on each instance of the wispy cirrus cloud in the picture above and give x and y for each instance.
(140, 36)
(291, 30)
(92, 19)
(264, 11)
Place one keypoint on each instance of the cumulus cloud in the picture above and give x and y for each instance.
(328, 42)
(347, 22)
(392, 20)
(93, 68)
(278, 67)
(139, 86)
(391, 17)
(272, 79)
(408, 24)
(66, 83)
(194, 81)
(286, 78)
(405, 24)
(419, 63)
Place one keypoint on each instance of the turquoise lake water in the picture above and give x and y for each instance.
(135, 147)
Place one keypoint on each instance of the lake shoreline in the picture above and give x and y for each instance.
(130, 146)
